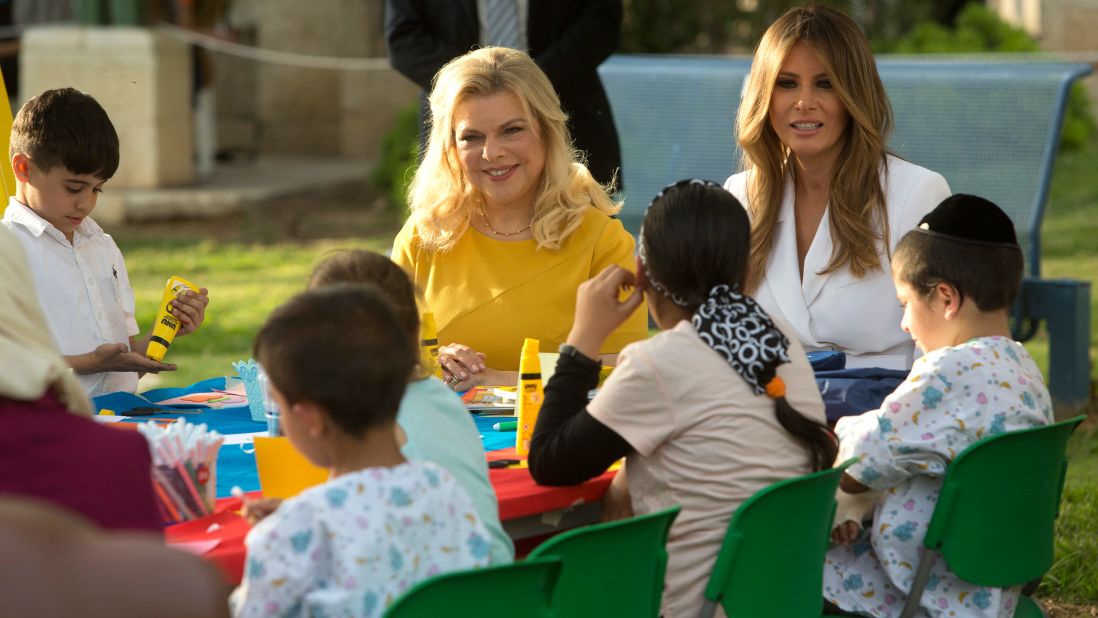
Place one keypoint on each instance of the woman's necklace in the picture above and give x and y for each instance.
(484, 216)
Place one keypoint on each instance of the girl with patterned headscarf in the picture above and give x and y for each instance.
(719, 405)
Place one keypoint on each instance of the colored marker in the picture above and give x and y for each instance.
(506, 426)
(503, 463)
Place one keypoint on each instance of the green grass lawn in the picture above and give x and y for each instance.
(247, 278)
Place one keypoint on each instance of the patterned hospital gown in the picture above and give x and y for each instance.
(351, 546)
(953, 397)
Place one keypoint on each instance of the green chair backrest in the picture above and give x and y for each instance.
(519, 589)
(611, 569)
(771, 561)
(994, 518)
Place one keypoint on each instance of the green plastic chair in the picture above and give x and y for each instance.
(518, 589)
(771, 562)
(611, 569)
(993, 522)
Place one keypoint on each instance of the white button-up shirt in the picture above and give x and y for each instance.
(83, 289)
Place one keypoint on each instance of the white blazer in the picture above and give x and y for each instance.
(837, 311)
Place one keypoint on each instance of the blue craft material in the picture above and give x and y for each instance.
(235, 465)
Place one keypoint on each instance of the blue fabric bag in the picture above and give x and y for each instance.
(849, 392)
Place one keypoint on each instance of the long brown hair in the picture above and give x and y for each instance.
(857, 205)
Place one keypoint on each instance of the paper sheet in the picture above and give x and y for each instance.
(199, 548)
(283, 471)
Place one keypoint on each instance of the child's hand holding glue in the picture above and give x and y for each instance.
(182, 311)
(190, 307)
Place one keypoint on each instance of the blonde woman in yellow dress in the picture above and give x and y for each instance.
(505, 220)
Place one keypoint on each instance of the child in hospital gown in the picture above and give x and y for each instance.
(954, 397)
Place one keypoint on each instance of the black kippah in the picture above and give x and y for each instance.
(970, 219)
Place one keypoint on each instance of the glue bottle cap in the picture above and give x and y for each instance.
(529, 361)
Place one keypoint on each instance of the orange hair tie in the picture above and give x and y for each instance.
(775, 388)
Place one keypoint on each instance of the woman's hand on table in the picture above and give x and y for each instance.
(256, 510)
(460, 361)
(463, 368)
(600, 309)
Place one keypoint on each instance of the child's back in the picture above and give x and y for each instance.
(352, 545)
(440, 430)
(338, 360)
(433, 419)
(954, 397)
(703, 440)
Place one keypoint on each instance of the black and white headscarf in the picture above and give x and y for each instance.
(730, 323)
(738, 329)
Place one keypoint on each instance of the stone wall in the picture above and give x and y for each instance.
(324, 111)
(1059, 25)
(140, 77)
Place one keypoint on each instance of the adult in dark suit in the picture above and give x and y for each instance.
(568, 39)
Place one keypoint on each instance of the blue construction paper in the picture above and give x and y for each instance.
(494, 440)
(235, 464)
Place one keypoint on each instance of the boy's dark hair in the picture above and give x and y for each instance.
(360, 266)
(968, 243)
(340, 347)
(697, 236)
(69, 128)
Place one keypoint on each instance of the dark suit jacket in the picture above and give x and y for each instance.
(568, 39)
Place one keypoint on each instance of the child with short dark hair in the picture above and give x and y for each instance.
(956, 276)
(63, 149)
(435, 425)
(338, 360)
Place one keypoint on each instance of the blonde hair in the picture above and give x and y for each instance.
(441, 199)
(857, 206)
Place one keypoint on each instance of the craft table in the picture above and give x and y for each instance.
(526, 509)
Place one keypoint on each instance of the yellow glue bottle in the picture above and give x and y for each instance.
(429, 344)
(166, 325)
(530, 395)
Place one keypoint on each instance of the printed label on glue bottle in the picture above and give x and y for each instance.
(530, 395)
(428, 334)
(166, 325)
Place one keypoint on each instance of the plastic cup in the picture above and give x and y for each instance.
(255, 387)
(270, 409)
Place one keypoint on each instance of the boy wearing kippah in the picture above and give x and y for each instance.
(63, 150)
(956, 276)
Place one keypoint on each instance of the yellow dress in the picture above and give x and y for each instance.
(490, 294)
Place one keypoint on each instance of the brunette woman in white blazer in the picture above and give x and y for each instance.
(828, 202)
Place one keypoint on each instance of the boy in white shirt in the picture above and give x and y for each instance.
(63, 149)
